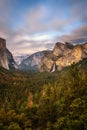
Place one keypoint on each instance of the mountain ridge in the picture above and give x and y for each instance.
(32, 62)
(62, 55)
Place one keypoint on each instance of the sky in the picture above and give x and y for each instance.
(35, 25)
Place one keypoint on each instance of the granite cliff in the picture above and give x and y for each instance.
(63, 55)
(32, 61)
(6, 58)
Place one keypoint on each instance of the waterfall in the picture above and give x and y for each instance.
(53, 67)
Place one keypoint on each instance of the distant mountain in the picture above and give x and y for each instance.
(20, 58)
(6, 58)
(32, 62)
(63, 55)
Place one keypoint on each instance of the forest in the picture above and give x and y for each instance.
(43, 101)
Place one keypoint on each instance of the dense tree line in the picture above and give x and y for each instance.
(44, 101)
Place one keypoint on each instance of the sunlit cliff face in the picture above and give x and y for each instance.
(6, 58)
(64, 56)
(3, 55)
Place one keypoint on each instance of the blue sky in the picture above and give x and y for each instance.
(34, 25)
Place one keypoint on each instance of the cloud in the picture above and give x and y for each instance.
(79, 10)
(5, 13)
(31, 46)
(33, 20)
(43, 19)
(77, 36)
(39, 21)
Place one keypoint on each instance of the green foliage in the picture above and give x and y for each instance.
(14, 126)
(44, 101)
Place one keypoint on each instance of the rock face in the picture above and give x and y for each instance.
(63, 55)
(32, 62)
(18, 59)
(6, 58)
(61, 49)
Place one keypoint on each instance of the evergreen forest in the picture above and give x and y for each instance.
(44, 101)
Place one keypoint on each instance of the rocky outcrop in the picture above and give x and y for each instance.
(63, 55)
(61, 49)
(6, 58)
(47, 61)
